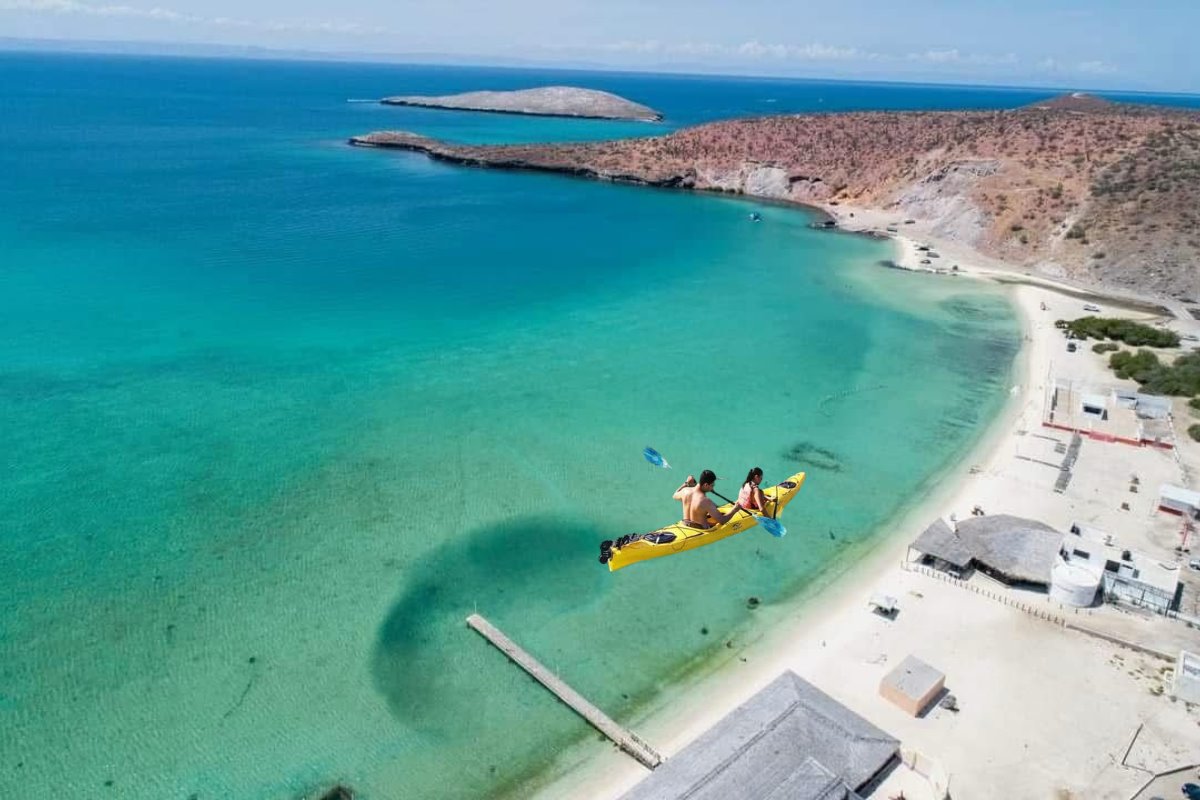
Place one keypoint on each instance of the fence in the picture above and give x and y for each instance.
(1036, 612)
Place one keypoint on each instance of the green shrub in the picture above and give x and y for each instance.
(1134, 334)
(1181, 379)
(1194, 403)
(1105, 347)
(1137, 366)
(1194, 432)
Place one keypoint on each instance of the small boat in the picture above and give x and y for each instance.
(755, 217)
(678, 537)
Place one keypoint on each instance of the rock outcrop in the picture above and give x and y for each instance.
(1101, 192)
(547, 101)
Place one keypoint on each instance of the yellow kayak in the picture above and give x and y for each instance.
(678, 537)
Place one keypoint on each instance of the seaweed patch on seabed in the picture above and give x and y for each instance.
(814, 456)
(823, 406)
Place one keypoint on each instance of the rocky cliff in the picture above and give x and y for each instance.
(1077, 187)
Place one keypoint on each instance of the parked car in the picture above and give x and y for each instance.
(1194, 564)
(1092, 308)
(1072, 347)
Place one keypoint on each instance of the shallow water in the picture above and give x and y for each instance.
(278, 414)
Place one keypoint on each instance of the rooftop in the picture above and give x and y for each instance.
(791, 740)
(1020, 549)
(912, 677)
(940, 541)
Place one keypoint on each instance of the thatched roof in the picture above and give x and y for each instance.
(1019, 549)
(940, 541)
(790, 740)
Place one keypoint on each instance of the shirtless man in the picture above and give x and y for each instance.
(697, 508)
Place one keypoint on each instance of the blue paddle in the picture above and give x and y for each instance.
(769, 524)
(655, 458)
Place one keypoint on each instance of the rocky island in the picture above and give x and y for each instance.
(1075, 187)
(546, 101)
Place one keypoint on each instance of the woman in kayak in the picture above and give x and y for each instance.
(751, 497)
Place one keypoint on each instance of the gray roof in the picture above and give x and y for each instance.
(939, 541)
(790, 741)
(1021, 549)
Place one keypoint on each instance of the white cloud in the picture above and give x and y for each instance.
(752, 50)
(1095, 67)
(756, 50)
(155, 13)
(954, 56)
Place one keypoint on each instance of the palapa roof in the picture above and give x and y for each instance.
(940, 541)
(791, 741)
(1020, 549)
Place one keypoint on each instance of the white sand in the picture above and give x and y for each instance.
(1045, 712)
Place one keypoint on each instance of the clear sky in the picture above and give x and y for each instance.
(1099, 44)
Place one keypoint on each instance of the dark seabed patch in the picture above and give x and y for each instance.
(427, 664)
(814, 456)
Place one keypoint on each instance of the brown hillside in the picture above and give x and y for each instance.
(1102, 192)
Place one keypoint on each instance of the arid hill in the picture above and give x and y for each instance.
(1078, 187)
(545, 101)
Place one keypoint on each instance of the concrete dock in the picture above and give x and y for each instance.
(623, 738)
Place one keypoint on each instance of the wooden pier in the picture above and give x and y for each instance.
(624, 739)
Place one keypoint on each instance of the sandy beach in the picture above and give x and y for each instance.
(1045, 711)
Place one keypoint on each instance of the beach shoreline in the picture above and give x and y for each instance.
(799, 633)
(672, 720)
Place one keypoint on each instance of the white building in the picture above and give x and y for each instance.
(1186, 685)
(1125, 576)
(1177, 500)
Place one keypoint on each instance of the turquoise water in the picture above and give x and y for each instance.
(277, 414)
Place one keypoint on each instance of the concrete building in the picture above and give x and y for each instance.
(791, 740)
(1177, 500)
(1111, 415)
(1126, 576)
(912, 686)
(1186, 684)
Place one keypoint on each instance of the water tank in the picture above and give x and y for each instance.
(1074, 583)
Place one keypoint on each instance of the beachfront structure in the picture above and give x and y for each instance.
(1186, 683)
(912, 686)
(1111, 415)
(791, 740)
(1125, 575)
(1075, 583)
(942, 549)
(1008, 548)
(1177, 500)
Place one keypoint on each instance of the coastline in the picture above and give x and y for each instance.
(820, 633)
(680, 714)
(551, 114)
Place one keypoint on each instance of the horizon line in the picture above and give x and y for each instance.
(254, 52)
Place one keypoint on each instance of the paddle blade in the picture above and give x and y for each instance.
(773, 527)
(655, 458)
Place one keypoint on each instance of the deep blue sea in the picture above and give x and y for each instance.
(276, 414)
